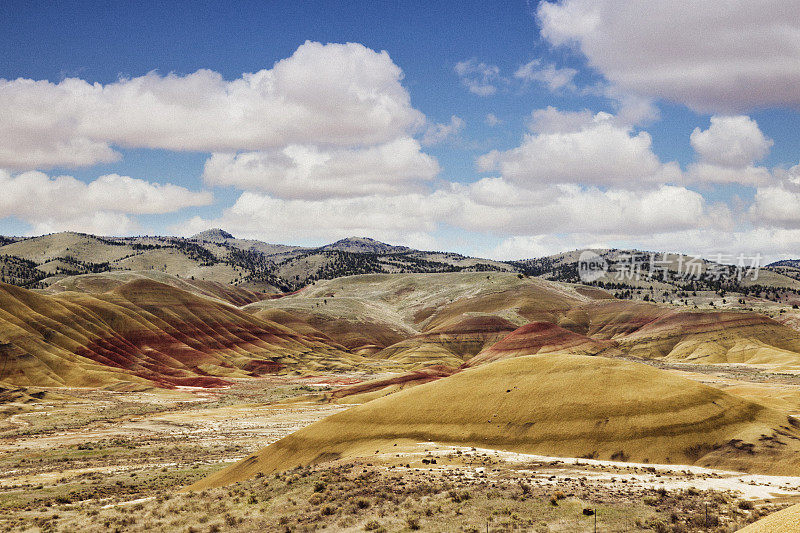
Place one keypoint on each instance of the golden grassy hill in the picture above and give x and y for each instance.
(541, 338)
(560, 405)
(716, 337)
(423, 302)
(432, 319)
(144, 332)
(785, 521)
(69, 250)
(106, 281)
(59, 245)
(427, 319)
(361, 325)
(450, 343)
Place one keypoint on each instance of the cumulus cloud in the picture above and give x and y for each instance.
(574, 209)
(97, 223)
(552, 120)
(481, 79)
(490, 206)
(398, 219)
(778, 205)
(555, 78)
(307, 172)
(438, 133)
(576, 147)
(324, 94)
(765, 243)
(761, 244)
(714, 174)
(492, 120)
(727, 152)
(530, 246)
(730, 141)
(102, 206)
(715, 56)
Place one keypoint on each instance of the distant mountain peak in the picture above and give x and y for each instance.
(363, 245)
(214, 234)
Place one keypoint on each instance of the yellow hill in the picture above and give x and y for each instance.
(785, 521)
(561, 405)
(144, 332)
(449, 343)
(540, 338)
(716, 337)
(359, 324)
(106, 281)
(424, 302)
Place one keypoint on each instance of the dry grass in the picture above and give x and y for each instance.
(560, 405)
(362, 496)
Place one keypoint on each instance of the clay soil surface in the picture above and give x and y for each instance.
(91, 460)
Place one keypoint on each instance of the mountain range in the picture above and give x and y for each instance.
(217, 256)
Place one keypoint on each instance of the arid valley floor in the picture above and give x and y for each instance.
(80, 460)
(451, 401)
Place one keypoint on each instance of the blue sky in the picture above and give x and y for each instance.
(463, 164)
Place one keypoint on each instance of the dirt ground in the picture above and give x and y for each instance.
(89, 460)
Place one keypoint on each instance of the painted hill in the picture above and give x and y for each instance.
(106, 281)
(361, 325)
(423, 302)
(449, 343)
(541, 338)
(785, 521)
(706, 336)
(434, 319)
(560, 405)
(445, 319)
(144, 332)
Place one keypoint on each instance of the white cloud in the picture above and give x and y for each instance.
(397, 219)
(574, 148)
(493, 205)
(492, 120)
(97, 223)
(749, 175)
(555, 78)
(101, 206)
(552, 120)
(727, 152)
(28, 150)
(716, 56)
(730, 141)
(530, 246)
(779, 204)
(632, 108)
(308, 172)
(336, 94)
(479, 78)
(756, 244)
(723, 245)
(438, 133)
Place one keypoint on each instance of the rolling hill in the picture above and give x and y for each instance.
(448, 319)
(145, 332)
(785, 521)
(558, 405)
(215, 255)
